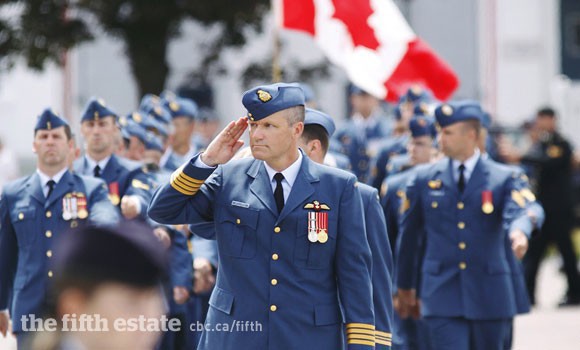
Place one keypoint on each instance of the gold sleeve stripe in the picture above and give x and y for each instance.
(361, 342)
(383, 342)
(181, 190)
(383, 334)
(185, 181)
(360, 331)
(361, 336)
(360, 325)
(186, 185)
(188, 178)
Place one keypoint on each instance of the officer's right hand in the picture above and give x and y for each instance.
(4, 322)
(225, 145)
(406, 303)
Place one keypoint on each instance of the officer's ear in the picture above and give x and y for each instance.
(297, 129)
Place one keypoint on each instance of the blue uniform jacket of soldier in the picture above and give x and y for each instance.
(269, 271)
(29, 227)
(465, 270)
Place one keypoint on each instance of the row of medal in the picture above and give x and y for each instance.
(317, 227)
(74, 206)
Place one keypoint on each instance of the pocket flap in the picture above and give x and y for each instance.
(327, 315)
(239, 216)
(20, 214)
(221, 300)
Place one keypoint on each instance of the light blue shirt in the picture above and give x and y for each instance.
(470, 164)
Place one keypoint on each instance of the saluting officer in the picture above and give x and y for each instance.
(458, 207)
(290, 233)
(128, 187)
(35, 210)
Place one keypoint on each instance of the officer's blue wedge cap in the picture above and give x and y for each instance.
(152, 142)
(314, 116)
(181, 107)
(453, 112)
(265, 100)
(422, 126)
(49, 120)
(96, 109)
(486, 120)
(128, 254)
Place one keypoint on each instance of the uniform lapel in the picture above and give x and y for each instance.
(445, 174)
(301, 190)
(34, 187)
(260, 185)
(63, 186)
(478, 178)
(111, 171)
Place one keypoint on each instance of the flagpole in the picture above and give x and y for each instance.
(276, 49)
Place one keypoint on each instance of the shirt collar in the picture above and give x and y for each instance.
(469, 163)
(45, 178)
(93, 163)
(289, 173)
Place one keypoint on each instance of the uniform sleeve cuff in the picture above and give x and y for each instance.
(189, 177)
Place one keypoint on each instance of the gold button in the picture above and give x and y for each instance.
(50, 274)
(462, 245)
(49, 253)
(21, 216)
(434, 205)
(238, 221)
(461, 225)
(48, 233)
(274, 256)
(277, 229)
(460, 205)
(462, 265)
(274, 281)
(48, 213)
(273, 308)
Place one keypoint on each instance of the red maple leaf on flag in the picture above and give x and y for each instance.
(355, 14)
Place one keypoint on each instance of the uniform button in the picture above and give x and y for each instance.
(49, 253)
(48, 233)
(461, 225)
(462, 265)
(277, 229)
(274, 281)
(434, 205)
(238, 221)
(273, 308)
(274, 256)
(48, 213)
(462, 245)
(50, 274)
(20, 216)
(460, 205)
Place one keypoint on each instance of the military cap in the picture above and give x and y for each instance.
(168, 95)
(136, 130)
(155, 110)
(96, 109)
(181, 107)
(152, 142)
(314, 116)
(486, 120)
(49, 120)
(149, 123)
(453, 112)
(149, 100)
(416, 94)
(265, 100)
(128, 254)
(421, 109)
(397, 112)
(422, 126)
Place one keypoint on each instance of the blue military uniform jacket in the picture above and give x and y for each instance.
(382, 268)
(390, 148)
(123, 175)
(465, 270)
(269, 271)
(29, 227)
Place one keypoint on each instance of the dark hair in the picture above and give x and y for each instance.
(67, 132)
(546, 112)
(316, 132)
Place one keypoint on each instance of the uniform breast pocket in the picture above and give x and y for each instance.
(25, 226)
(314, 255)
(236, 231)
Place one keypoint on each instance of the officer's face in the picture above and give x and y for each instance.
(99, 134)
(52, 147)
(457, 140)
(273, 138)
(420, 149)
(135, 150)
(183, 130)
(364, 104)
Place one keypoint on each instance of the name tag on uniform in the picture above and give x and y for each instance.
(438, 193)
(240, 204)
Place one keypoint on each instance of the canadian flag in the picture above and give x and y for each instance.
(372, 42)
